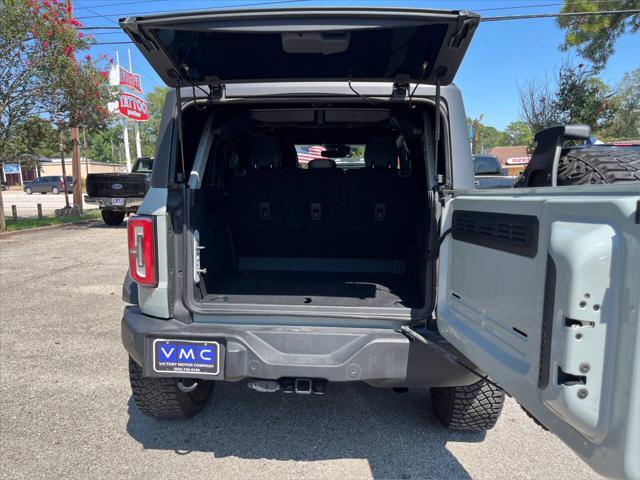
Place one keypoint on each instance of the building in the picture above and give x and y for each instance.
(53, 166)
(514, 159)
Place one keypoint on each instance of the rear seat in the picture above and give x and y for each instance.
(378, 202)
(321, 211)
(256, 208)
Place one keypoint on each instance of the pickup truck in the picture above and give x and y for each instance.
(488, 173)
(119, 194)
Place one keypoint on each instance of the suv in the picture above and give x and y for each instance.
(242, 265)
(45, 185)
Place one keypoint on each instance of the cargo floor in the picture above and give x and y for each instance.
(316, 288)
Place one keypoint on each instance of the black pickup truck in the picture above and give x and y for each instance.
(119, 194)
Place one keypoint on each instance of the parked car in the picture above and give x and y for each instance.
(4, 186)
(397, 273)
(54, 184)
(488, 173)
(120, 194)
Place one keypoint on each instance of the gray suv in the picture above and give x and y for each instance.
(394, 271)
(51, 184)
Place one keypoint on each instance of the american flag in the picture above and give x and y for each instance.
(307, 153)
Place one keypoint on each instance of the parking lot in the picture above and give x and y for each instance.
(66, 409)
(27, 205)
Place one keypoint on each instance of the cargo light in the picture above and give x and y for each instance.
(142, 250)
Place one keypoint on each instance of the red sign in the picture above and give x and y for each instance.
(131, 80)
(517, 160)
(132, 107)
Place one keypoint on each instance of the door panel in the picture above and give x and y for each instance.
(540, 288)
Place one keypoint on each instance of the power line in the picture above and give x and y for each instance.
(255, 4)
(560, 14)
(515, 17)
(120, 3)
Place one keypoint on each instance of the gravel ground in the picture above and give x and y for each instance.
(66, 410)
(27, 205)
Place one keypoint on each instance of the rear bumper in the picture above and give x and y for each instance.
(107, 202)
(380, 357)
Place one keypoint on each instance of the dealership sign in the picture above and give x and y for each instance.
(130, 107)
(11, 168)
(120, 77)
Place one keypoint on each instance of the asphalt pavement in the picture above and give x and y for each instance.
(27, 205)
(66, 409)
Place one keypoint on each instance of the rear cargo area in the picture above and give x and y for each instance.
(277, 227)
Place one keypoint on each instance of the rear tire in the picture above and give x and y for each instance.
(112, 218)
(55, 190)
(161, 398)
(27, 190)
(473, 407)
(596, 165)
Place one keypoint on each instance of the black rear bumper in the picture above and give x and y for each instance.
(380, 357)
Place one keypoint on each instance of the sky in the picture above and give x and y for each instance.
(502, 54)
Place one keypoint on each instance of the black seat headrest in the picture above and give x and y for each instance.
(321, 163)
(381, 152)
(264, 151)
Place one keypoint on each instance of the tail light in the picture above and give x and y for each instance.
(142, 250)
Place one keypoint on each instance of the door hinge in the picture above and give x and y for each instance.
(197, 269)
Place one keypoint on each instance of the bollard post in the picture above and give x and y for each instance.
(39, 210)
(14, 212)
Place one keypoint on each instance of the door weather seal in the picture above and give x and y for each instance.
(452, 358)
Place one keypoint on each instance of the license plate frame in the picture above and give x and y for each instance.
(196, 349)
(117, 202)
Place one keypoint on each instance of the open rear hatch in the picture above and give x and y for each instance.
(363, 44)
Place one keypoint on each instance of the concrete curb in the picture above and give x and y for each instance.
(4, 235)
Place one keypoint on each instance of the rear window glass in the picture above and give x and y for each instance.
(353, 158)
(371, 53)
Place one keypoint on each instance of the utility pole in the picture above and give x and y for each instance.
(62, 163)
(3, 224)
(75, 152)
(476, 134)
(85, 149)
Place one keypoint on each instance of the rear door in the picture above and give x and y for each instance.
(540, 288)
(301, 44)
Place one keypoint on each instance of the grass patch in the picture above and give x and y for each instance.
(25, 223)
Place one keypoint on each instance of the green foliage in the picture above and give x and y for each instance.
(583, 98)
(625, 124)
(40, 75)
(595, 36)
(26, 223)
(518, 133)
(577, 96)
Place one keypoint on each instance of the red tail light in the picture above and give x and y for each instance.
(142, 250)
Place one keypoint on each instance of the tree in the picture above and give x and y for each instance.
(583, 98)
(577, 96)
(625, 124)
(488, 137)
(519, 133)
(595, 35)
(537, 104)
(149, 130)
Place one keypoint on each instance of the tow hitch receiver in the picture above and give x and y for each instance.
(302, 386)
